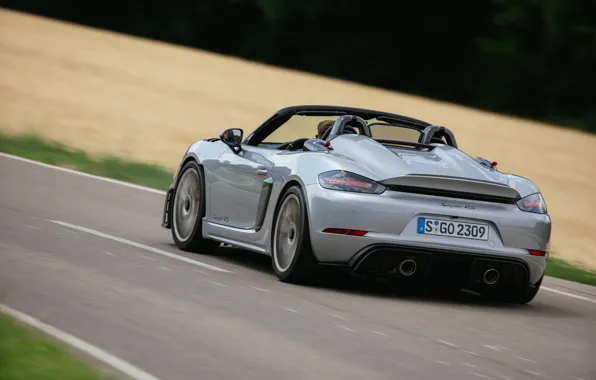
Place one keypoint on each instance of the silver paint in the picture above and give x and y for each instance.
(246, 187)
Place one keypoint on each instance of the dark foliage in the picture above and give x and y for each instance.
(534, 58)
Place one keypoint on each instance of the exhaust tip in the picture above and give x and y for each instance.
(491, 276)
(407, 267)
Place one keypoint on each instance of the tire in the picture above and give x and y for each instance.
(521, 297)
(188, 210)
(292, 257)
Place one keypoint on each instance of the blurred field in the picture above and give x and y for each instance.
(112, 94)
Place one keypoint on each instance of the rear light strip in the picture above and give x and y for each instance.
(535, 252)
(342, 231)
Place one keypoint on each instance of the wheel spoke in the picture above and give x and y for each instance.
(286, 233)
(186, 204)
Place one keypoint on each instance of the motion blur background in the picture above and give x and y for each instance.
(108, 93)
(525, 57)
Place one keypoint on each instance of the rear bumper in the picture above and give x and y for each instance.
(439, 265)
(390, 220)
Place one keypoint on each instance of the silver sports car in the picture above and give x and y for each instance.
(377, 193)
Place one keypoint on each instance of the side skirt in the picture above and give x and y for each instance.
(233, 236)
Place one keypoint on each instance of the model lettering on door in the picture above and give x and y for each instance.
(221, 218)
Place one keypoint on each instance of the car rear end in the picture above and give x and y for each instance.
(430, 229)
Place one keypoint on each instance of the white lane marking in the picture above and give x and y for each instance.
(579, 378)
(492, 347)
(141, 246)
(161, 192)
(32, 227)
(533, 373)
(442, 362)
(76, 172)
(259, 289)
(115, 362)
(218, 284)
(481, 375)
(345, 328)
(471, 353)
(469, 365)
(164, 268)
(108, 253)
(526, 360)
(568, 294)
(72, 232)
(199, 271)
(290, 310)
(149, 258)
(338, 317)
(379, 333)
(448, 343)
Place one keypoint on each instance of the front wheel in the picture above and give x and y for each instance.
(188, 210)
(292, 256)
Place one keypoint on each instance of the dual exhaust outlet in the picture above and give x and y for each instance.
(408, 267)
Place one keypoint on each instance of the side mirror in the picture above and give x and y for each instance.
(233, 138)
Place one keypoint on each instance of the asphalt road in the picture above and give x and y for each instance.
(63, 260)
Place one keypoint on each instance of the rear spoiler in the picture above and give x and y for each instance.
(453, 187)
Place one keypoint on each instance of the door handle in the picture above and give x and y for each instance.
(262, 171)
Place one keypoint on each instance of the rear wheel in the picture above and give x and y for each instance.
(292, 256)
(523, 296)
(188, 210)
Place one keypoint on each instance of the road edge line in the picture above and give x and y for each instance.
(91, 350)
(570, 295)
(156, 191)
(83, 174)
(140, 246)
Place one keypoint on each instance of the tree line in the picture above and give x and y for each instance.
(531, 58)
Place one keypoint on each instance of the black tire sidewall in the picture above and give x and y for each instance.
(197, 229)
(523, 296)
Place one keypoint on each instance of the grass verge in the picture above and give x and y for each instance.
(153, 176)
(53, 153)
(561, 269)
(27, 355)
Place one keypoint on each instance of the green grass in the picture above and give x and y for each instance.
(153, 176)
(26, 354)
(57, 154)
(560, 269)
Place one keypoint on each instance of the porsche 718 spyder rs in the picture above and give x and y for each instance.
(378, 193)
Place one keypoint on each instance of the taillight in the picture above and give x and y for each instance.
(532, 203)
(346, 181)
(535, 252)
(342, 231)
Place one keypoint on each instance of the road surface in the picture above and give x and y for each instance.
(89, 257)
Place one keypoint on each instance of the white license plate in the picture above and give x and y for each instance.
(476, 231)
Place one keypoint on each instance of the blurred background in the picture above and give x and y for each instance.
(524, 57)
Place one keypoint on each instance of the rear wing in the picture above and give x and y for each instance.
(453, 187)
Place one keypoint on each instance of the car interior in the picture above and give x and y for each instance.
(394, 134)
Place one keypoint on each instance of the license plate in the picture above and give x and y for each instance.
(476, 231)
